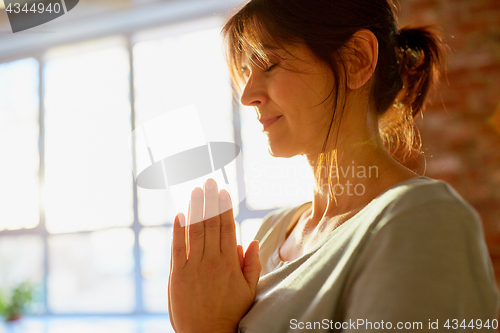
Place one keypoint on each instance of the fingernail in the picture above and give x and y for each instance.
(224, 195)
(210, 184)
(197, 193)
(225, 201)
(182, 220)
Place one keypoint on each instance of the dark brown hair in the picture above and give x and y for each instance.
(407, 67)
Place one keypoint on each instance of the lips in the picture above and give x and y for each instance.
(268, 121)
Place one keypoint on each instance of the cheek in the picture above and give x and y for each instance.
(283, 88)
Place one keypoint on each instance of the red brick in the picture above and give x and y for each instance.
(461, 145)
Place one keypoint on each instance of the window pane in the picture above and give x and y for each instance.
(157, 326)
(238, 233)
(21, 260)
(155, 249)
(94, 325)
(249, 228)
(88, 183)
(19, 190)
(271, 182)
(176, 72)
(92, 272)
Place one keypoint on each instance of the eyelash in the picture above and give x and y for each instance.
(245, 70)
(270, 67)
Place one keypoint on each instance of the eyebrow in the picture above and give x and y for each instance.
(254, 54)
(267, 47)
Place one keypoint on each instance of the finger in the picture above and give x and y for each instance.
(179, 254)
(186, 238)
(227, 227)
(169, 296)
(196, 230)
(169, 287)
(170, 314)
(252, 268)
(211, 219)
(240, 256)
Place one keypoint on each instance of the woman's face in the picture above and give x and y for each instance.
(294, 87)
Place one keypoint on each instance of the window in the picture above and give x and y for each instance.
(72, 220)
(19, 195)
(21, 253)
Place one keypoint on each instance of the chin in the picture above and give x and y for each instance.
(276, 151)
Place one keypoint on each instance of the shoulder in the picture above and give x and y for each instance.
(426, 203)
(429, 226)
(428, 245)
(427, 215)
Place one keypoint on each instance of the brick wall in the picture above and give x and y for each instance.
(461, 128)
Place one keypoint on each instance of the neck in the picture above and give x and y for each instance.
(358, 175)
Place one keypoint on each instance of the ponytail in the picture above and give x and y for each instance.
(419, 55)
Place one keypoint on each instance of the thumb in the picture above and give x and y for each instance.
(252, 267)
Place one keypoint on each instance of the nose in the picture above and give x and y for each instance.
(253, 93)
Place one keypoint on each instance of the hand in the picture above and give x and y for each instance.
(211, 284)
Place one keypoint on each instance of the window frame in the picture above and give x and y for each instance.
(40, 230)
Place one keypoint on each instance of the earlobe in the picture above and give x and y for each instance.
(361, 58)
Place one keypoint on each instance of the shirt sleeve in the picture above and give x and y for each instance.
(427, 263)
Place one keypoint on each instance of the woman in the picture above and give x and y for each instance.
(378, 247)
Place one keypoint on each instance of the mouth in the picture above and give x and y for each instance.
(268, 121)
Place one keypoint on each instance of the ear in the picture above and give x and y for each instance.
(361, 53)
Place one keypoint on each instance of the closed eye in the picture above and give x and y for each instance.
(245, 71)
(270, 68)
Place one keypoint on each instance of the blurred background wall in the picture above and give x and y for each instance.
(461, 129)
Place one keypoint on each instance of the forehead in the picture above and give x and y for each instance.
(288, 52)
(262, 52)
(283, 51)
